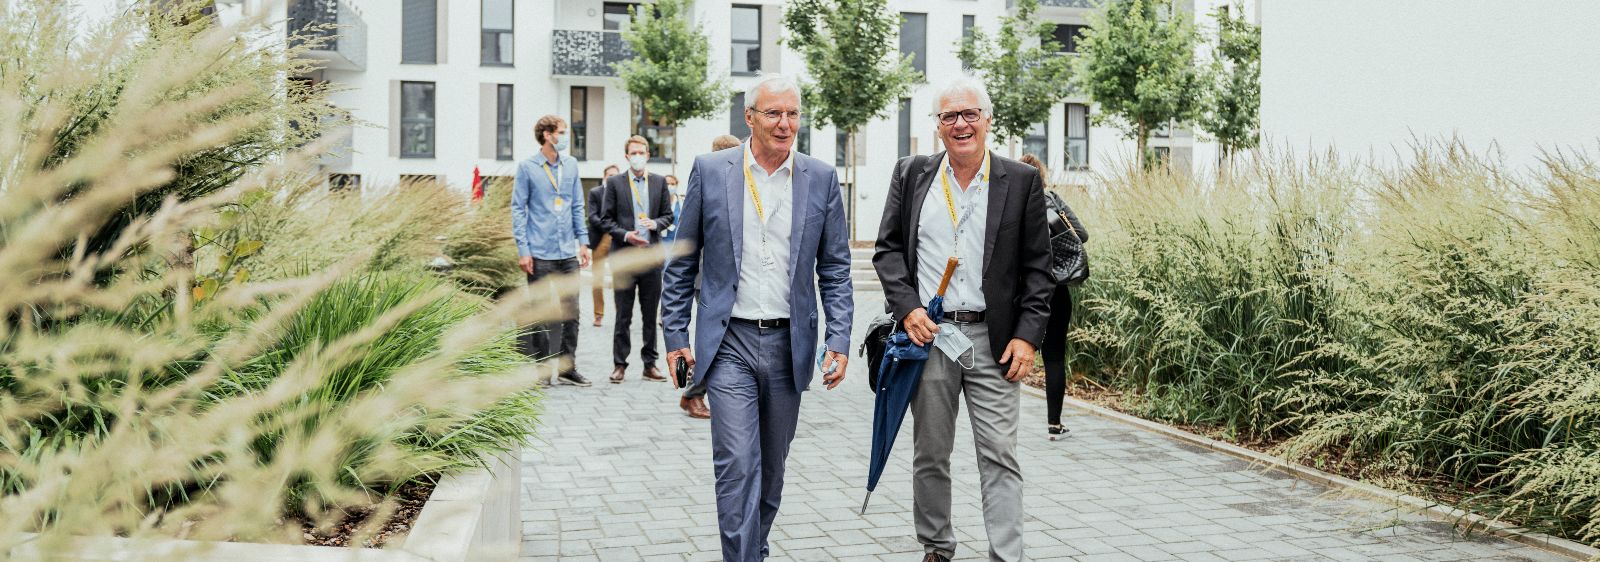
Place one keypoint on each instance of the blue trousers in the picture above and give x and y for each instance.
(751, 389)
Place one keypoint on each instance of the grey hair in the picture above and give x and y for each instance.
(773, 84)
(964, 85)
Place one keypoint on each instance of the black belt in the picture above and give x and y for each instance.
(768, 324)
(964, 316)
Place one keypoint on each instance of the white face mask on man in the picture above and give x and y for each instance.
(637, 162)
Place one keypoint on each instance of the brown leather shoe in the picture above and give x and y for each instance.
(597, 321)
(695, 407)
(651, 374)
(616, 375)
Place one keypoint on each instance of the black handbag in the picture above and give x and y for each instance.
(1069, 262)
(872, 347)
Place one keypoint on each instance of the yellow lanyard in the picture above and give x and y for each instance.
(950, 200)
(637, 202)
(750, 182)
(554, 187)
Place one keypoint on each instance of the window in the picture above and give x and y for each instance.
(1161, 155)
(341, 182)
(967, 22)
(736, 125)
(746, 43)
(414, 179)
(616, 16)
(1035, 142)
(495, 49)
(502, 124)
(662, 136)
(1077, 136)
(905, 127)
(803, 139)
(416, 120)
(419, 32)
(579, 123)
(841, 142)
(914, 39)
(1067, 36)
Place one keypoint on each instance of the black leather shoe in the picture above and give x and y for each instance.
(935, 557)
(572, 378)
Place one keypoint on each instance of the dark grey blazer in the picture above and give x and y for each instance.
(1016, 247)
(616, 207)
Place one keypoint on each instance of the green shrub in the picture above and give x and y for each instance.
(1438, 324)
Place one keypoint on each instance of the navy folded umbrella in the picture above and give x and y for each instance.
(898, 375)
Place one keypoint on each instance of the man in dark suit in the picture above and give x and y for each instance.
(635, 208)
(599, 243)
(985, 211)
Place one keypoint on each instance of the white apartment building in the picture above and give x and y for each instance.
(1516, 79)
(442, 86)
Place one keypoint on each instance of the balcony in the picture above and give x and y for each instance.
(345, 47)
(587, 53)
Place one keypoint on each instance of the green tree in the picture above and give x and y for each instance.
(856, 73)
(1137, 62)
(1233, 103)
(670, 72)
(1024, 81)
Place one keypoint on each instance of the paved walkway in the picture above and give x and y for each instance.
(621, 474)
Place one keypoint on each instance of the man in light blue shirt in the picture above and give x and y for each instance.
(551, 229)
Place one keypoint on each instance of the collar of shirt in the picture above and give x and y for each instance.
(540, 160)
(639, 177)
(755, 167)
(982, 179)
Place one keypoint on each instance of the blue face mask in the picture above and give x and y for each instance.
(561, 143)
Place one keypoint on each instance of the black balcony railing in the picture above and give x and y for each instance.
(587, 53)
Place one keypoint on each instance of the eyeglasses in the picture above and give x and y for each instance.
(775, 115)
(968, 115)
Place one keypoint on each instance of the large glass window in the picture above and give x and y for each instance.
(616, 16)
(419, 32)
(746, 39)
(578, 124)
(416, 120)
(662, 136)
(905, 127)
(1067, 36)
(914, 39)
(803, 139)
(502, 124)
(1037, 139)
(736, 125)
(496, 41)
(967, 23)
(1077, 136)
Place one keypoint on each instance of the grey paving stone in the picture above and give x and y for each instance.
(619, 473)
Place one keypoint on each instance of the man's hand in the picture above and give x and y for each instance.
(1019, 356)
(526, 263)
(836, 362)
(649, 224)
(672, 363)
(920, 327)
(583, 256)
(633, 238)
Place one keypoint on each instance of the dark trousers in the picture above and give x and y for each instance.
(646, 285)
(1055, 353)
(559, 338)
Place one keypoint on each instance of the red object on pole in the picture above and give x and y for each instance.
(477, 184)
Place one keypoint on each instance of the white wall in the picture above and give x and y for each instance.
(1365, 76)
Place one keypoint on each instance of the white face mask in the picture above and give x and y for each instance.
(953, 343)
(637, 162)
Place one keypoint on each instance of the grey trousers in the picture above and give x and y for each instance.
(993, 407)
(751, 386)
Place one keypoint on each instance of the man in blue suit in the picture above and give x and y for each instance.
(765, 230)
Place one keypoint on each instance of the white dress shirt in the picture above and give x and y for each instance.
(938, 240)
(764, 266)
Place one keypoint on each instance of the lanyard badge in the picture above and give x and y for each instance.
(767, 259)
(555, 187)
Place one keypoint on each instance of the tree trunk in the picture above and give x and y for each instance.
(1144, 144)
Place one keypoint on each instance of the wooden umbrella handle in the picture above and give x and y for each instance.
(949, 271)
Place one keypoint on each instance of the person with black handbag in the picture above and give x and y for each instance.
(1069, 265)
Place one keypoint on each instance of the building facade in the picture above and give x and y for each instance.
(439, 87)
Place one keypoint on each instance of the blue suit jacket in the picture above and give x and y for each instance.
(712, 226)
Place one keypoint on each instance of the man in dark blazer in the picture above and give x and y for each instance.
(635, 208)
(987, 212)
